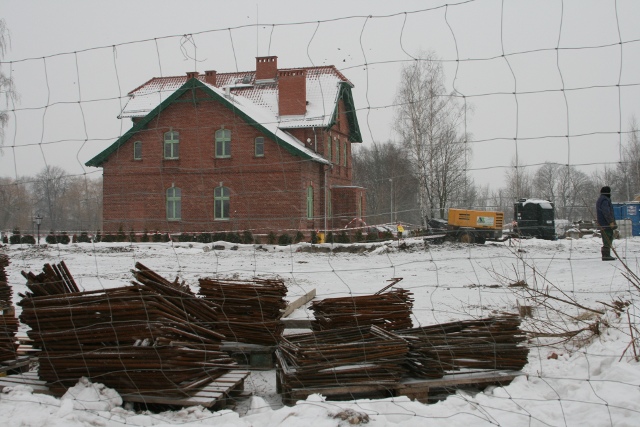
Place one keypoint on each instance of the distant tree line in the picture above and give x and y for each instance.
(385, 170)
(65, 203)
(424, 173)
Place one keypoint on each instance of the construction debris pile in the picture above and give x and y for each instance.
(366, 355)
(8, 321)
(153, 337)
(389, 310)
(250, 309)
(491, 343)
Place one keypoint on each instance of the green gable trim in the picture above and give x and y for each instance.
(192, 85)
(352, 119)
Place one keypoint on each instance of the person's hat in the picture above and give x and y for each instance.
(605, 190)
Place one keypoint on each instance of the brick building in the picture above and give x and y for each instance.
(264, 150)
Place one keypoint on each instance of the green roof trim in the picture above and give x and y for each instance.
(191, 85)
(350, 110)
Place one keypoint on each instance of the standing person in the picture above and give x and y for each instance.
(400, 231)
(606, 222)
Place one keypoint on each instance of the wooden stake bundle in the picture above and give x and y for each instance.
(250, 309)
(390, 310)
(341, 357)
(152, 337)
(491, 343)
(8, 322)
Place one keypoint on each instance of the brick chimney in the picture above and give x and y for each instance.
(292, 92)
(210, 77)
(192, 74)
(266, 67)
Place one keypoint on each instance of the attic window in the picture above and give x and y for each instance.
(223, 143)
(171, 145)
(259, 146)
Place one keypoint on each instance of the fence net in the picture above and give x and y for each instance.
(160, 310)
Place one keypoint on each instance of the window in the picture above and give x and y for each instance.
(171, 145)
(221, 203)
(309, 202)
(344, 153)
(259, 147)
(337, 141)
(223, 143)
(174, 204)
(137, 150)
(329, 148)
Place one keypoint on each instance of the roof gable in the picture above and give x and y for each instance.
(324, 88)
(242, 107)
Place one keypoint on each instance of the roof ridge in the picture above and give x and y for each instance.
(231, 73)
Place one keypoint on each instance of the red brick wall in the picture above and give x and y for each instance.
(292, 92)
(266, 67)
(345, 206)
(267, 193)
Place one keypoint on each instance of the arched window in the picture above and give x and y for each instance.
(137, 150)
(174, 203)
(309, 202)
(171, 145)
(337, 141)
(329, 147)
(221, 203)
(223, 143)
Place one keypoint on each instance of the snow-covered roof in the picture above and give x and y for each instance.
(323, 89)
(253, 114)
(544, 204)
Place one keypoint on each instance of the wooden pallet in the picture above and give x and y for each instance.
(250, 356)
(215, 395)
(418, 389)
(17, 366)
(28, 378)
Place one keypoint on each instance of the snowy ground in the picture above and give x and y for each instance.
(593, 382)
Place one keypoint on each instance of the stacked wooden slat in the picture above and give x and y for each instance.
(491, 343)
(153, 337)
(250, 309)
(344, 357)
(390, 310)
(8, 321)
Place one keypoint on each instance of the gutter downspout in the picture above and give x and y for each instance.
(326, 192)
(315, 140)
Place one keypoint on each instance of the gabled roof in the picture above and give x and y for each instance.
(254, 115)
(325, 86)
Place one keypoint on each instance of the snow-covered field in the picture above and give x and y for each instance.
(591, 382)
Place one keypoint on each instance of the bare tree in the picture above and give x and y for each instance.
(625, 180)
(49, 188)
(427, 120)
(83, 204)
(385, 172)
(15, 205)
(7, 90)
(519, 182)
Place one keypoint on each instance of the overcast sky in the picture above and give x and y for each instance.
(74, 61)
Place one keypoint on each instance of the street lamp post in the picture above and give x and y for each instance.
(391, 198)
(38, 222)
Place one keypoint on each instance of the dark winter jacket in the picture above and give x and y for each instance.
(604, 209)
